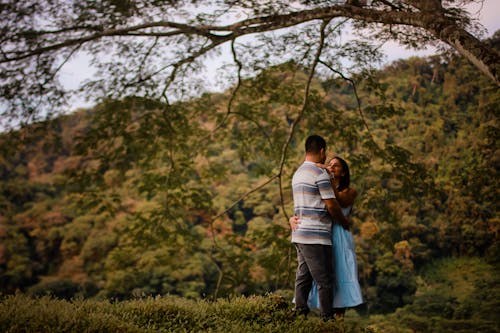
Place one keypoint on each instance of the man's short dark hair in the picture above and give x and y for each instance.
(314, 144)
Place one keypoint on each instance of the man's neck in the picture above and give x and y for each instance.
(313, 158)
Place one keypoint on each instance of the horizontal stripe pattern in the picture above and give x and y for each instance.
(310, 186)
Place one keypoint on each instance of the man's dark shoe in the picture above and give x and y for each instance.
(300, 312)
(326, 318)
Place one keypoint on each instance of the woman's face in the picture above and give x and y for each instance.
(336, 168)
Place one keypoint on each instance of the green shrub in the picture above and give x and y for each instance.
(22, 313)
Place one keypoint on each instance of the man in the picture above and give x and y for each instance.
(315, 204)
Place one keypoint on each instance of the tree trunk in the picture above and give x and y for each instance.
(483, 57)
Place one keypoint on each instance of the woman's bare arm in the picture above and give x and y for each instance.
(345, 197)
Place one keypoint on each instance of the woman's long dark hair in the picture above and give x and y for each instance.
(345, 180)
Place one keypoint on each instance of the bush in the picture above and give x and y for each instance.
(21, 313)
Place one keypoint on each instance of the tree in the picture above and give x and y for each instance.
(150, 48)
(148, 53)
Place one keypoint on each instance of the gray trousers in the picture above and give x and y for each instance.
(314, 263)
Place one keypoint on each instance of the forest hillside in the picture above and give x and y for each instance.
(135, 198)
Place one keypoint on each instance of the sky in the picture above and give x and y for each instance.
(488, 14)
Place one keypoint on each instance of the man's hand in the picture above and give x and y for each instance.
(335, 211)
(294, 222)
(348, 225)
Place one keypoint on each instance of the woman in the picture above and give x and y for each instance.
(347, 292)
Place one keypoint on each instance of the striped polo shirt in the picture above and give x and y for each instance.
(310, 186)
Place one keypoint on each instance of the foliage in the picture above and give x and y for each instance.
(158, 49)
(454, 295)
(186, 199)
(161, 314)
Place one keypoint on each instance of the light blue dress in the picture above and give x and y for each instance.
(347, 292)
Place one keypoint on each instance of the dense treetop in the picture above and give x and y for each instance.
(153, 191)
(156, 48)
(139, 197)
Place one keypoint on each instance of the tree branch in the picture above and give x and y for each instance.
(255, 189)
(358, 101)
(431, 17)
(284, 149)
(180, 63)
(181, 29)
(235, 90)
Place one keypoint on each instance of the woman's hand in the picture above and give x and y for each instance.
(328, 169)
(294, 222)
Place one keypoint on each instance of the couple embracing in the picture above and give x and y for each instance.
(326, 275)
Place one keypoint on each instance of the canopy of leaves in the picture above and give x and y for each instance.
(139, 197)
(156, 49)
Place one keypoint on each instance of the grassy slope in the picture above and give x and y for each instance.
(20, 313)
(454, 295)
